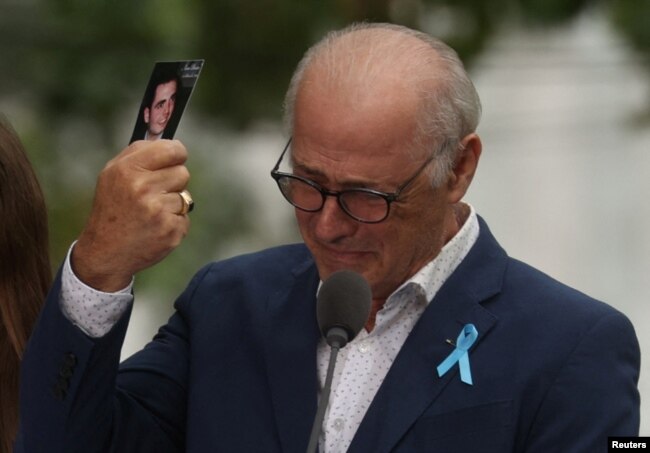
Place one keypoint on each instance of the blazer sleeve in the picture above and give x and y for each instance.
(73, 399)
(594, 395)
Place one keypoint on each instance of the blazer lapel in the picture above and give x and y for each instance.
(292, 339)
(412, 383)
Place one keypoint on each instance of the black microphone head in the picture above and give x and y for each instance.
(343, 303)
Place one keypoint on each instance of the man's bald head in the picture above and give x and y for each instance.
(366, 61)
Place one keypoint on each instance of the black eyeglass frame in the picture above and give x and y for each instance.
(387, 196)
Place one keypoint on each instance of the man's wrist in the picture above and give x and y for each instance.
(93, 311)
(95, 275)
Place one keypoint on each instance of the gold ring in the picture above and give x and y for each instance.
(188, 203)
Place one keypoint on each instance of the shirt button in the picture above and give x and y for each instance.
(363, 348)
(339, 424)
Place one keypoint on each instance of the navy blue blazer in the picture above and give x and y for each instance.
(234, 370)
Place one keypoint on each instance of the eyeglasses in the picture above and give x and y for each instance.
(362, 204)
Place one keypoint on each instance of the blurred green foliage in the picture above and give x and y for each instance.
(632, 18)
(77, 69)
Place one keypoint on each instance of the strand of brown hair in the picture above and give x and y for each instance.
(25, 273)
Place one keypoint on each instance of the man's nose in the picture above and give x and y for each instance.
(331, 222)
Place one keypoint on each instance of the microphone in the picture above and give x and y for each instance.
(342, 309)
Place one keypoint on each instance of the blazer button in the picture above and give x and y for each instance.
(65, 372)
(60, 390)
(70, 360)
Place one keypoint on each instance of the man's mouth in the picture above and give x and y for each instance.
(345, 255)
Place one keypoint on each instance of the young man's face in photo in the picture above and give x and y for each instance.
(157, 116)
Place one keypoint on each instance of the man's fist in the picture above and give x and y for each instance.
(135, 220)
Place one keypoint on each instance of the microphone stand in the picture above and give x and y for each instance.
(336, 338)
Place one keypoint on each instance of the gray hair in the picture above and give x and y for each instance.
(451, 108)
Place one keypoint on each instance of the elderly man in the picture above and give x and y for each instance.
(465, 348)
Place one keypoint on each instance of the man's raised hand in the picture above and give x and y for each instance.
(135, 220)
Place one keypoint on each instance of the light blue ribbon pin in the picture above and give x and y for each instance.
(465, 340)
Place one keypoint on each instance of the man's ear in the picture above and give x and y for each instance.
(464, 167)
(146, 115)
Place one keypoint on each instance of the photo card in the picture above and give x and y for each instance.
(165, 98)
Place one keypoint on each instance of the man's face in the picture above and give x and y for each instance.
(162, 107)
(365, 143)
